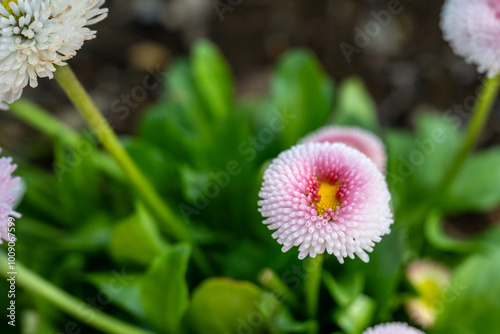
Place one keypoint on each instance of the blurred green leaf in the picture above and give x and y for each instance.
(477, 186)
(124, 293)
(164, 291)
(436, 236)
(345, 292)
(213, 79)
(356, 317)
(222, 305)
(282, 323)
(137, 238)
(93, 235)
(159, 166)
(79, 179)
(471, 304)
(436, 143)
(193, 184)
(303, 94)
(355, 106)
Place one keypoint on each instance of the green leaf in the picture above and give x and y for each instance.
(79, 179)
(92, 235)
(436, 144)
(357, 316)
(355, 106)
(221, 305)
(282, 323)
(345, 292)
(213, 79)
(471, 304)
(125, 293)
(304, 94)
(136, 238)
(477, 186)
(194, 183)
(164, 291)
(156, 164)
(436, 236)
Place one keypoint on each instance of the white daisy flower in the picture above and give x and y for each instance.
(35, 35)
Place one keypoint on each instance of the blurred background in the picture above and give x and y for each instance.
(404, 65)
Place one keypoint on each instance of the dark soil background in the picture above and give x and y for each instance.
(405, 65)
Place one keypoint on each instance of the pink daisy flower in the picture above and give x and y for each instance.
(8, 190)
(430, 279)
(326, 197)
(473, 30)
(393, 328)
(357, 138)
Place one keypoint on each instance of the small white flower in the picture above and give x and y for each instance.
(472, 27)
(393, 328)
(35, 35)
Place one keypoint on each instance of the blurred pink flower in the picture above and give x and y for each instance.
(8, 190)
(430, 279)
(393, 328)
(326, 197)
(473, 30)
(357, 138)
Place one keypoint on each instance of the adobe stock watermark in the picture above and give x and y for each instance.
(364, 36)
(75, 154)
(248, 149)
(223, 6)
(12, 273)
(104, 297)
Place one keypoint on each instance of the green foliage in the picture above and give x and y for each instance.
(354, 106)
(164, 291)
(302, 90)
(471, 304)
(220, 305)
(205, 152)
(477, 187)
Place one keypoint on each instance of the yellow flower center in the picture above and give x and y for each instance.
(328, 197)
(5, 4)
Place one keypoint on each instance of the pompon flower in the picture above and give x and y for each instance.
(430, 279)
(326, 197)
(357, 138)
(393, 328)
(473, 30)
(8, 190)
(35, 35)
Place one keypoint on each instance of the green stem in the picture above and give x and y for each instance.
(37, 285)
(41, 120)
(81, 99)
(480, 115)
(312, 284)
(46, 123)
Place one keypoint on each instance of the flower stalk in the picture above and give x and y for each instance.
(480, 115)
(312, 285)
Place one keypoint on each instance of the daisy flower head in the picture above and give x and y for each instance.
(393, 328)
(362, 140)
(9, 186)
(326, 197)
(473, 30)
(431, 280)
(35, 35)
